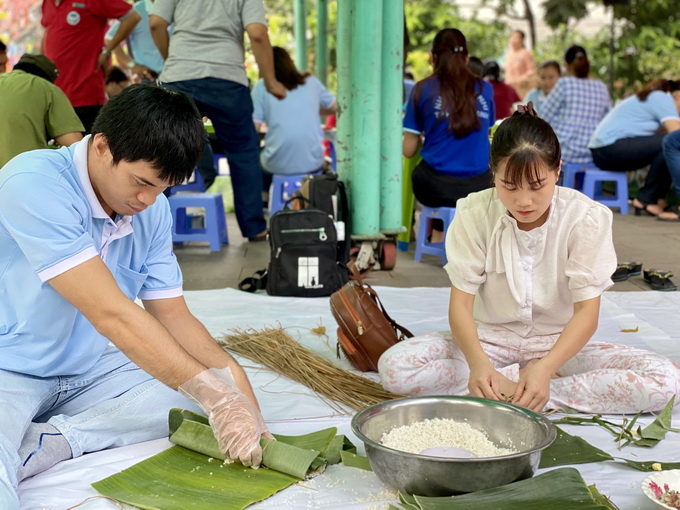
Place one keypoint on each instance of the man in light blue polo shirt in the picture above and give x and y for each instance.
(84, 231)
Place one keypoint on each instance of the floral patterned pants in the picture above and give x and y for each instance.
(601, 378)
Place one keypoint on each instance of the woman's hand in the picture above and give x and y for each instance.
(487, 382)
(533, 390)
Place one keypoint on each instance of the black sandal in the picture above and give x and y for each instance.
(675, 210)
(254, 283)
(643, 209)
(626, 270)
(659, 280)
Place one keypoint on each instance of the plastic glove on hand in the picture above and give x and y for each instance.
(235, 420)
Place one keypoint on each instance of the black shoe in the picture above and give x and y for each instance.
(625, 270)
(659, 280)
(262, 236)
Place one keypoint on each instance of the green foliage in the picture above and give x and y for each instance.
(646, 44)
(424, 18)
(281, 20)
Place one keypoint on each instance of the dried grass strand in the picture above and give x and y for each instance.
(276, 349)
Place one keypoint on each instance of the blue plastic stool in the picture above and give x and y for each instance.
(196, 185)
(594, 177)
(215, 231)
(571, 171)
(216, 161)
(423, 246)
(334, 161)
(282, 188)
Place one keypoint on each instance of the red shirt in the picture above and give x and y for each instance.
(503, 97)
(74, 37)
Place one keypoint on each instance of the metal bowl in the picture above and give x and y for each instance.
(506, 425)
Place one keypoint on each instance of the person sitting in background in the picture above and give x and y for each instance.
(628, 138)
(34, 110)
(453, 109)
(575, 107)
(476, 65)
(3, 58)
(548, 74)
(116, 81)
(409, 83)
(292, 144)
(504, 96)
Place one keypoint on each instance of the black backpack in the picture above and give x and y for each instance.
(304, 254)
(326, 193)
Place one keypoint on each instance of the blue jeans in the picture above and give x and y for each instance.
(113, 404)
(229, 106)
(671, 151)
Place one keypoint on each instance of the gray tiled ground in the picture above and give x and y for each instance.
(643, 238)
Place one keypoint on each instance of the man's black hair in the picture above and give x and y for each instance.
(154, 124)
(3, 46)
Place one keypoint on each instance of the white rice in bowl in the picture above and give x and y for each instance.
(438, 432)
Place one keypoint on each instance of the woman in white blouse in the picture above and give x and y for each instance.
(528, 262)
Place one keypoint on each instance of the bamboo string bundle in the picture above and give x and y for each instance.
(276, 349)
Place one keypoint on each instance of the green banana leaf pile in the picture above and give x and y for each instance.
(193, 476)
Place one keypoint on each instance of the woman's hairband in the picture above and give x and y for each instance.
(527, 109)
(457, 49)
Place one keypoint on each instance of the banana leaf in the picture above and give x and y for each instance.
(192, 476)
(294, 455)
(568, 450)
(181, 479)
(351, 459)
(563, 489)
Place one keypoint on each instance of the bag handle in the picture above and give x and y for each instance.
(355, 273)
(374, 296)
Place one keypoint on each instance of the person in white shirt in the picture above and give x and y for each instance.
(528, 262)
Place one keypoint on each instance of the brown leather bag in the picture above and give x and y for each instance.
(366, 331)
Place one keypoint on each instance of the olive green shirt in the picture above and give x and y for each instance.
(32, 112)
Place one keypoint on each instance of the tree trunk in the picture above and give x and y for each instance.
(529, 16)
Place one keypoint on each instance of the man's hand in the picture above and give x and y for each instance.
(533, 390)
(103, 62)
(276, 89)
(235, 420)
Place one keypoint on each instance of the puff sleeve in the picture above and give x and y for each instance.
(591, 257)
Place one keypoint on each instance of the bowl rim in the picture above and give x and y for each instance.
(654, 477)
(539, 418)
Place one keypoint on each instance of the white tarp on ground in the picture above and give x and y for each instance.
(291, 408)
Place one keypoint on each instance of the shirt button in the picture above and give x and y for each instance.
(526, 268)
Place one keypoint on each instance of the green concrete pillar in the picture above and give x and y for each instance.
(321, 54)
(365, 107)
(343, 135)
(391, 96)
(300, 9)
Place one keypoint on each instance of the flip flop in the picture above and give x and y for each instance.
(659, 280)
(626, 270)
(254, 283)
